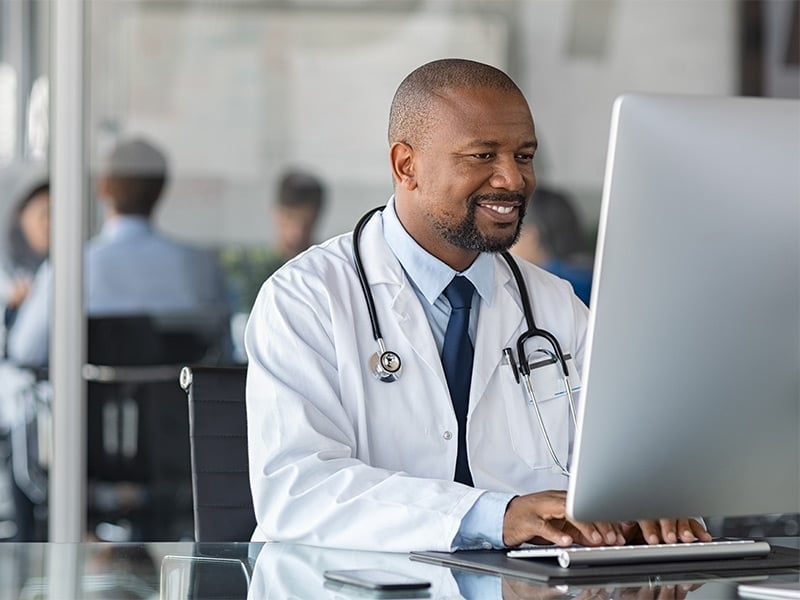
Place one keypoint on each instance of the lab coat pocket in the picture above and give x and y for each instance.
(527, 428)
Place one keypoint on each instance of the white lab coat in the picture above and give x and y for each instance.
(340, 459)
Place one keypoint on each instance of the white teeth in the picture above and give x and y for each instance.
(503, 210)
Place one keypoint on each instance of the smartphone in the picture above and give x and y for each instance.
(376, 579)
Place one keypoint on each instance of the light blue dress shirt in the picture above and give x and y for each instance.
(130, 269)
(482, 526)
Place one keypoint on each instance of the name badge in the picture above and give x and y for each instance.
(547, 376)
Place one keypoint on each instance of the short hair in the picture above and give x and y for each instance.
(136, 173)
(556, 221)
(410, 113)
(298, 189)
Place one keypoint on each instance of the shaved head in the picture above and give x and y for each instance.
(410, 117)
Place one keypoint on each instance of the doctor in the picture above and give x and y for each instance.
(448, 453)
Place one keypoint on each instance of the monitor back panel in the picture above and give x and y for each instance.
(691, 387)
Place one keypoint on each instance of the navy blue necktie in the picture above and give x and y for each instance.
(457, 354)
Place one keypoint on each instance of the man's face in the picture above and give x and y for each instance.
(472, 177)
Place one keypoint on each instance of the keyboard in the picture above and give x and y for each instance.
(571, 556)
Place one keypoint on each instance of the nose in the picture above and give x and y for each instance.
(511, 175)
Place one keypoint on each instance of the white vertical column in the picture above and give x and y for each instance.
(64, 562)
(67, 502)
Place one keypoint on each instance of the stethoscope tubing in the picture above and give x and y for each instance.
(535, 403)
(533, 330)
(362, 276)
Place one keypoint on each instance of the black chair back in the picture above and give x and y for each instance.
(223, 504)
(139, 340)
(138, 426)
(138, 460)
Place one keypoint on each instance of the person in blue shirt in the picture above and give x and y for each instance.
(551, 237)
(130, 267)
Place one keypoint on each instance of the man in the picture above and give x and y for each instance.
(551, 237)
(340, 458)
(297, 210)
(130, 268)
(295, 213)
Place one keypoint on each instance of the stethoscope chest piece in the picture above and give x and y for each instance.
(386, 366)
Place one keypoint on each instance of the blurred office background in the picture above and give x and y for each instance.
(236, 92)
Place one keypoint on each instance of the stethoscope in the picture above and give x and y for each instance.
(386, 365)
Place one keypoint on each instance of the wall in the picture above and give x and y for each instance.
(670, 46)
(237, 91)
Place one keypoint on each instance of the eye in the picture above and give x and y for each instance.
(524, 157)
(483, 155)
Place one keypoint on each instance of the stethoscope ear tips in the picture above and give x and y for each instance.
(386, 366)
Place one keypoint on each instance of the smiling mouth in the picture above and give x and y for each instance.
(500, 208)
(505, 213)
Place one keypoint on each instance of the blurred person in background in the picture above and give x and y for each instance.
(130, 267)
(552, 237)
(296, 210)
(28, 244)
(130, 270)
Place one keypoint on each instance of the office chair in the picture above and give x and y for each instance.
(223, 504)
(138, 435)
(138, 465)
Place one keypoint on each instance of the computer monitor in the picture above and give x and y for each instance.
(690, 383)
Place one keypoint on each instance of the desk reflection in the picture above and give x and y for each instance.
(291, 570)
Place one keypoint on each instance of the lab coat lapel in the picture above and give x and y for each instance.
(498, 327)
(414, 327)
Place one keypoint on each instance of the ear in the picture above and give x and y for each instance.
(402, 159)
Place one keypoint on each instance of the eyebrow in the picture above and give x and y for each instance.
(532, 144)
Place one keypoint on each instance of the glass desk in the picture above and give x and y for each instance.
(183, 570)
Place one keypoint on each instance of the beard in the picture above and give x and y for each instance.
(466, 234)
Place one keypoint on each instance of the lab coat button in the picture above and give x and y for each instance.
(448, 435)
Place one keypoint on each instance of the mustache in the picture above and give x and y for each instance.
(506, 197)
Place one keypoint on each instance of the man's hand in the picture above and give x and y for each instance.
(543, 516)
(668, 531)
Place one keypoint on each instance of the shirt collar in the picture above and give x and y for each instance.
(124, 226)
(429, 274)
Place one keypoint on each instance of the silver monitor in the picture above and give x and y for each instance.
(690, 388)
